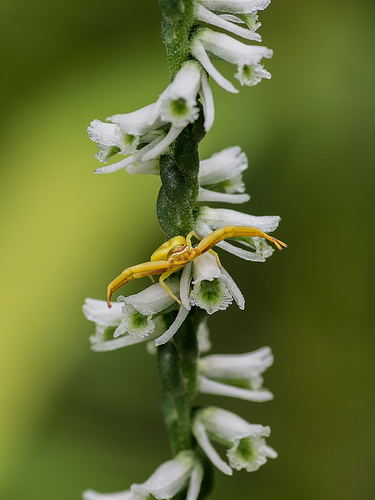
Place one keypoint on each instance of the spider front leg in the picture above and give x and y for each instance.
(134, 272)
(215, 237)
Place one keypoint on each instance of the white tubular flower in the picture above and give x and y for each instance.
(178, 103)
(121, 495)
(144, 134)
(247, 448)
(235, 6)
(221, 46)
(213, 288)
(172, 477)
(210, 219)
(237, 375)
(224, 170)
(205, 15)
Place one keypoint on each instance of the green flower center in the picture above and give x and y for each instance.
(178, 107)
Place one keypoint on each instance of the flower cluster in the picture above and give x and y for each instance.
(143, 138)
(143, 135)
(245, 443)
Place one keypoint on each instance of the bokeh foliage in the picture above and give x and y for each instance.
(72, 419)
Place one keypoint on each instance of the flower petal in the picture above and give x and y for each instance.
(236, 6)
(99, 312)
(208, 102)
(208, 386)
(180, 318)
(169, 478)
(208, 195)
(205, 15)
(199, 52)
(201, 436)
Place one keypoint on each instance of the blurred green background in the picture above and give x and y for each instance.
(71, 419)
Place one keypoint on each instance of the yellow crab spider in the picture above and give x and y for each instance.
(175, 253)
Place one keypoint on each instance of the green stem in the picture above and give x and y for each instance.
(177, 361)
(177, 20)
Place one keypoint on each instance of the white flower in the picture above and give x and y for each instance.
(185, 470)
(210, 219)
(236, 6)
(172, 477)
(134, 319)
(228, 23)
(147, 133)
(222, 46)
(247, 448)
(213, 289)
(236, 375)
(224, 170)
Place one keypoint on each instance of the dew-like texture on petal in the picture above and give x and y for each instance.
(134, 159)
(99, 312)
(180, 318)
(109, 138)
(106, 134)
(169, 478)
(201, 436)
(233, 288)
(231, 50)
(208, 195)
(209, 386)
(251, 75)
(236, 366)
(205, 15)
(235, 6)
(122, 495)
(222, 166)
(154, 298)
(207, 102)
(199, 52)
(139, 122)
(135, 323)
(212, 296)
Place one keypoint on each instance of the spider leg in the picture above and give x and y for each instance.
(190, 235)
(229, 231)
(163, 277)
(134, 272)
(216, 257)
